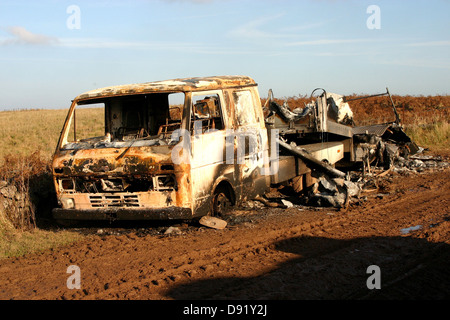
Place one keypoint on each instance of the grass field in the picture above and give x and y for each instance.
(29, 137)
(15, 243)
(26, 131)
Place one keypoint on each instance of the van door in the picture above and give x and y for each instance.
(208, 135)
(251, 137)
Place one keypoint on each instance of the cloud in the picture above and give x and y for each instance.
(418, 63)
(100, 43)
(191, 47)
(272, 28)
(430, 43)
(23, 36)
(327, 42)
(306, 26)
(193, 1)
(252, 29)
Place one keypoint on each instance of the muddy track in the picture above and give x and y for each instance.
(266, 253)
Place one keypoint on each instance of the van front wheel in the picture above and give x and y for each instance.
(221, 203)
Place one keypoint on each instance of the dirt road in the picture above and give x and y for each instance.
(264, 253)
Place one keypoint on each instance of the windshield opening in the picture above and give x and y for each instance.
(117, 121)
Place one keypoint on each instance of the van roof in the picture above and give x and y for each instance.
(182, 84)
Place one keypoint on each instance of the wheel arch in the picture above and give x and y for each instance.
(225, 185)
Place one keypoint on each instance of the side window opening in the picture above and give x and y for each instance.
(206, 113)
(245, 108)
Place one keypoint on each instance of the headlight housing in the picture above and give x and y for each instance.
(67, 203)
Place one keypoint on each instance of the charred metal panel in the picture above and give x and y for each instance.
(112, 161)
(165, 213)
(150, 199)
(252, 143)
(291, 167)
(339, 129)
(287, 169)
(182, 85)
(376, 129)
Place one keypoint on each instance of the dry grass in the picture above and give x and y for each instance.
(15, 243)
(434, 136)
(23, 132)
(29, 178)
(19, 232)
(29, 138)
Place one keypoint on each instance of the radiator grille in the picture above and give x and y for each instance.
(111, 201)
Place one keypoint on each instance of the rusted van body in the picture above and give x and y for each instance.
(161, 157)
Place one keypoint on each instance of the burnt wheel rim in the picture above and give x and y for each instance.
(221, 204)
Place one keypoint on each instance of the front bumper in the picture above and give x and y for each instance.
(168, 213)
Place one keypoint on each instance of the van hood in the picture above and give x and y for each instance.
(113, 161)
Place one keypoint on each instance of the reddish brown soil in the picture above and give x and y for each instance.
(296, 253)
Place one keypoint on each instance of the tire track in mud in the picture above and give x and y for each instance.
(288, 254)
(388, 249)
(238, 259)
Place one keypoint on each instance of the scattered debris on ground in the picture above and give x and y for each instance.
(327, 191)
(213, 222)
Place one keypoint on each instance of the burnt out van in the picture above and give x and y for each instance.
(194, 147)
(174, 149)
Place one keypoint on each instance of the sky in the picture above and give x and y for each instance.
(51, 51)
